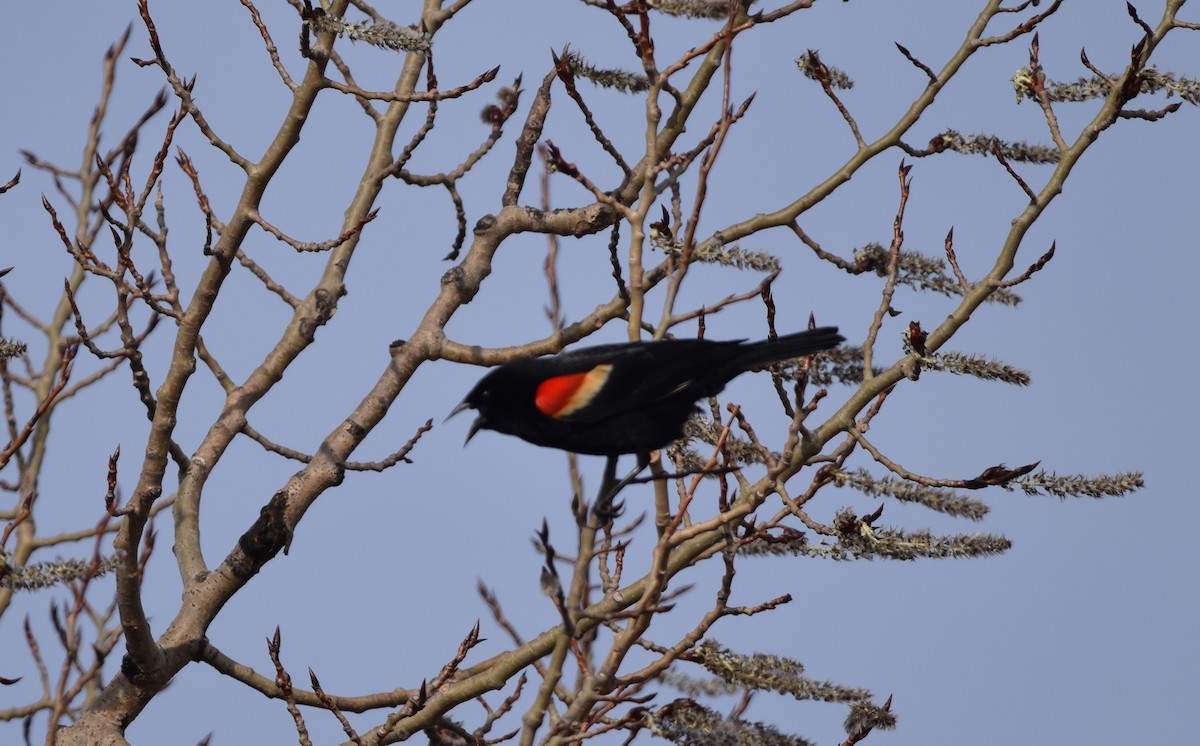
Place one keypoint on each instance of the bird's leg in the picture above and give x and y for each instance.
(607, 508)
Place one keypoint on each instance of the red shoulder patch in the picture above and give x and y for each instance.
(562, 395)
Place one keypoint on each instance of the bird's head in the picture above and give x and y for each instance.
(497, 400)
(479, 399)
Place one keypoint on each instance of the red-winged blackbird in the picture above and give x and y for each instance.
(621, 398)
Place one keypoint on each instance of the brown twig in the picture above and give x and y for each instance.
(211, 222)
(917, 63)
(1043, 98)
(1024, 28)
(821, 73)
(1033, 268)
(284, 681)
(16, 179)
(332, 243)
(269, 44)
(889, 287)
(266, 280)
(415, 96)
(952, 258)
(183, 90)
(996, 151)
(562, 66)
(64, 374)
(332, 707)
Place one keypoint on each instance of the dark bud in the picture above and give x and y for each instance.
(663, 226)
(916, 337)
(492, 115)
(999, 475)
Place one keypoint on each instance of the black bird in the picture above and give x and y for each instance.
(621, 398)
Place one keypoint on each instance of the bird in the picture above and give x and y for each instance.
(615, 399)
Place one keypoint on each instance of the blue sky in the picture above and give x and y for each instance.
(1081, 633)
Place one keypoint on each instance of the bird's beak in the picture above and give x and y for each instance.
(461, 406)
(476, 426)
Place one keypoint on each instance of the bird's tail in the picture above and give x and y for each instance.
(756, 354)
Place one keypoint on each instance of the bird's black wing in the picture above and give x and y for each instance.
(644, 374)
